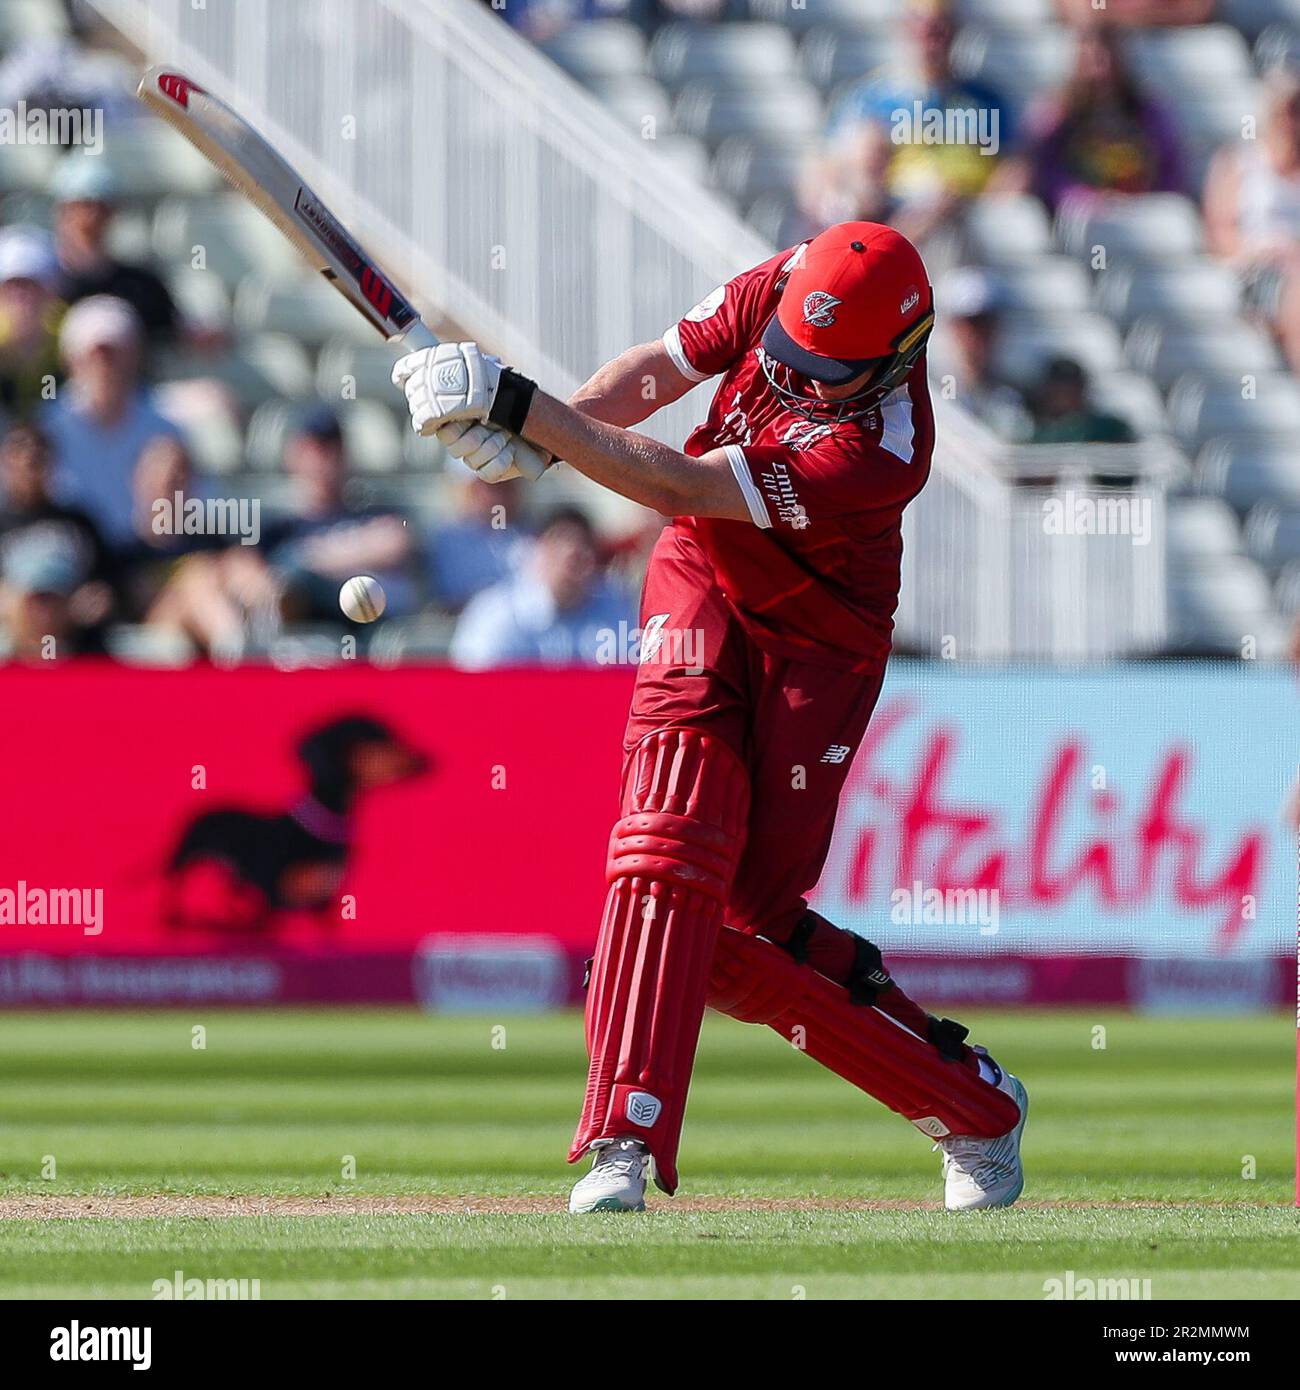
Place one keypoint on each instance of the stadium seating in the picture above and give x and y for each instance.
(1022, 63)
(1217, 602)
(1200, 290)
(1253, 17)
(1127, 289)
(844, 14)
(31, 19)
(1201, 528)
(1245, 471)
(1203, 409)
(1273, 536)
(607, 48)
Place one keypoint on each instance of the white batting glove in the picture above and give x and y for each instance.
(492, 452)
(453, 381)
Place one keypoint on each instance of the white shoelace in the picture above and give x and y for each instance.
(973, 1159)
(624, 1157)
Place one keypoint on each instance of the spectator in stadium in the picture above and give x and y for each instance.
(1063, 413)
(1138, 13)
(479, 544)
(1252, 212)
(540, 20)
(30, 517)
(41, 575)
(29, 319)
(843, 180)
(53, 72)
(848, 180)
(558, 610)
(328, 539)
(150, 561)
(973, 320)
(84, 192)
(102, 417)
(26, 500)
(1101, 135)
(942, 173)
(209, 589)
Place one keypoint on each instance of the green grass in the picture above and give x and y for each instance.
(1171, 1111)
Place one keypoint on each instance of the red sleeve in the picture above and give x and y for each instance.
(722, 327)
(793, 489)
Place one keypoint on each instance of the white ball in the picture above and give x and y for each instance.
(362, 598)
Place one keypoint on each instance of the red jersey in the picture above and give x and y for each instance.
(815, 577)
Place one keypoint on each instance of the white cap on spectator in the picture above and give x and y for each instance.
(26, 253)
(100, 321)
(43, 559)
(83, 178)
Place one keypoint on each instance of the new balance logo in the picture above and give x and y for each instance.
(836, 753)
(642, 1108)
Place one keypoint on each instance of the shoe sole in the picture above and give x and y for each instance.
(606, 1204)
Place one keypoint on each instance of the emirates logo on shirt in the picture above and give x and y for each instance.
(819, 308)
(780, 492)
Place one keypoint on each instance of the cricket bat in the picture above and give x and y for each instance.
(248, 161)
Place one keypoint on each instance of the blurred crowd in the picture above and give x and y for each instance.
(114, 542)
(103, 529)
(1100, 137)
(95, 541)
(104, 525)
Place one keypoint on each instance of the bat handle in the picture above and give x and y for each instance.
(416, 337)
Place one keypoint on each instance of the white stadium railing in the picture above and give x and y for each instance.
(499, 192)
(1055, 553)
(512, 204)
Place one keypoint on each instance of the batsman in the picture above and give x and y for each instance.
(782, 562)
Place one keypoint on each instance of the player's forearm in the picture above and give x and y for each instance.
(633, 465)
(631, 387)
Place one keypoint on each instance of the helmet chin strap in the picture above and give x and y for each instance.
(813, 407)
(894, 372)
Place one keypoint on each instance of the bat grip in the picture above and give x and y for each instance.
(417, 336)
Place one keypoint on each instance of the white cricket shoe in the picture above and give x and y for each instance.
(986, 1172)
(616, 1181)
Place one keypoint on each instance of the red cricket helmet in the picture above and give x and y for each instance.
(856, 297)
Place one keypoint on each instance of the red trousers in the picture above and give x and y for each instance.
(735, 759)
(795, 726)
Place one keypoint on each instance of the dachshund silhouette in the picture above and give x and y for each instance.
(234, 870)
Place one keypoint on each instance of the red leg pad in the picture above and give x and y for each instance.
(758, 982)
(672, 858)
